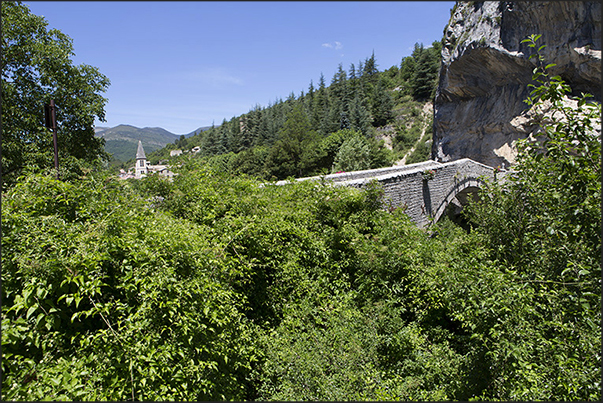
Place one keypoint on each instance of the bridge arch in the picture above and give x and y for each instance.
(425, 189)
(458, 194)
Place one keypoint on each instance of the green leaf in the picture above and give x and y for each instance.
(41, 293)
(39, 318)
(30, 311)
(78, 299)
(27, 292)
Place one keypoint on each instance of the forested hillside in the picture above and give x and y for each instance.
(122, 141)
(218, 286)
(365, 118)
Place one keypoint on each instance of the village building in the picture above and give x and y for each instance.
(144, 167)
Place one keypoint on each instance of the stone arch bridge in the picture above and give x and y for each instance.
(426, 190)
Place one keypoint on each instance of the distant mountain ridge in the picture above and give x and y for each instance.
(122, 141)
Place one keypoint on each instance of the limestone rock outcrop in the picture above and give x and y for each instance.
(479, 109)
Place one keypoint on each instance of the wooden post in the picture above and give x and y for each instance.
(51, 123)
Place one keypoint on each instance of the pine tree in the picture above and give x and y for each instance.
(360, 69)
(294, 152)
(223, 137)
(339, 87)
(251, 127)
(234, 134)
(275, 119)
(359, 115)
(352, 74)
(426, 71)
(382, 104)
(262, 135)
(210, 143)
(332, 119)
(340, 98)
(309, 104)
(407, 68)
(370, 72)
(321, 108)
(245, 135)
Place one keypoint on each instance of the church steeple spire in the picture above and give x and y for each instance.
(140, 153)
(141, 161)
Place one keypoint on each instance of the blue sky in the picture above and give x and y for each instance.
(185, 65)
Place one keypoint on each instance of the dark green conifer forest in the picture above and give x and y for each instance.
(302, 135)
(222, 285)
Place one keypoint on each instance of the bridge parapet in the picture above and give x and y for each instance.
(424, 190)
(368, 173)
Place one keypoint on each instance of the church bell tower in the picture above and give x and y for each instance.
(141, 161)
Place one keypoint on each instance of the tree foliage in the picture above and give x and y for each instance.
(36, 67)
(294, 153)
(360, 99)
(218, 286)
(353, 155)
(544, 227)
(425, 70)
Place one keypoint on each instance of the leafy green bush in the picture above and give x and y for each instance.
(353, 155)
(405, 137)
(214, 286)
(106, 299)
(543, 226)
(422, 151)
(324, 349)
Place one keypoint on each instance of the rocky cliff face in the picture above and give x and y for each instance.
(479, 111)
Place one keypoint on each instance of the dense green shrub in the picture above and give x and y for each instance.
(353, 155)
(543, 227)
(106, 299)
(422, 151)
(214, 286)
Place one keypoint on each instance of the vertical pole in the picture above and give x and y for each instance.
(51, 123)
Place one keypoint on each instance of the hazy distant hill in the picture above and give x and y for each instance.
(199, 130)
(122, 140)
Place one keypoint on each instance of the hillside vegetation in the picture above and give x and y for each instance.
(219, 286)
(122, 141)
(215, 286)
(364, 119)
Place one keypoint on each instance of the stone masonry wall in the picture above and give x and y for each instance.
(426, 200)
(423, 200)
